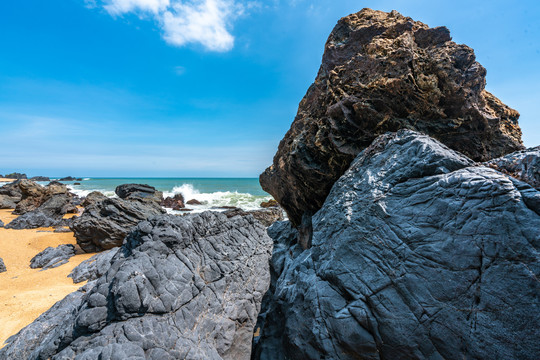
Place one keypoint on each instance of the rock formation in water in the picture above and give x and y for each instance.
(53, 257)
(179, 288)
(382, 72)
(40, 178)
(176, 202)
(139, 192)
(417, 253)
(93, 197)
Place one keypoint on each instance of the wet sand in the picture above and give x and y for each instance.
(26, 293)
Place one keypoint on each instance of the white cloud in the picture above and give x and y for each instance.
(183, 22)
(117, 7)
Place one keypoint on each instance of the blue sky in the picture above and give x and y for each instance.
(199, 88)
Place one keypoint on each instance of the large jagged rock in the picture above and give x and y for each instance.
(382, 72)
(42, 206)
(93, 268)
(523, 165)
(416, 254)
(53, 197)
(93, 197)
(179, 288)
(53, 257)
(139, 192)
(106, 223)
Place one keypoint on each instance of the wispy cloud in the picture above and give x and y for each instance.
(183, 22)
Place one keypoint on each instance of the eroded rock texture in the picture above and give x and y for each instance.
(179, 288)
(416, 254)
(382, 72)
(10, 195)
(93, 268)
(53, 257)
(523, 165)
(2, 266)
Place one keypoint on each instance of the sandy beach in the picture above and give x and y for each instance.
(26, 293)
(2, 180)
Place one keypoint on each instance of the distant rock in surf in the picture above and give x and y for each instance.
(40, 178)
(176, 202)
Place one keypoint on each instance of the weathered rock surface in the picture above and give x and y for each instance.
(382, 72)
(70, 178)
(33, 220)
(176, 202)
(139, 192)
(53, 257)
(2, 266)
(92, 198)
(523, 165)
(266, 216)
(55, 197)
(415, 254)
(10, 195)
(106, 223)
(93, 268)
(180, 288)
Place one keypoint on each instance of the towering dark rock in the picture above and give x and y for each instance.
(417, 253)
(382, 72)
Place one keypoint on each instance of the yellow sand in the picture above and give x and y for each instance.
(7, 180)
(26, 293)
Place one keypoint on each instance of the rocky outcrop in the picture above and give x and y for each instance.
(176, 202)
(10, 195)
(269, 203)
(93, 268)
(266, 216)
(53, 257)
(16, 176)
(42, 206)
(382, 72)
(53, 197)
(180, 288)
(92, 198)
(40, 178)
(106, 223)
(2, 266)
(70, 178)
(523, 165)
(193, 202)
(417, 253)
(139, 192)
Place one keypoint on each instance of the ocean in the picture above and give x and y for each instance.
(245, 193)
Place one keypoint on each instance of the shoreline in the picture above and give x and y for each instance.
(5, 180)
(27, 293)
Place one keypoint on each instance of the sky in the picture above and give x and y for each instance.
(204, 88)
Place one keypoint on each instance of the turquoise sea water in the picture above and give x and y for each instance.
(245, 193)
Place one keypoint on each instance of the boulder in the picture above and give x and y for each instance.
(40, 178)
(93, 268)
(53, 197)
(93, 197)
(176, 202)
(1, 223)
(53, 257)
(105, 224)
(16, 176)
(179, 288)
(382, 72)
(33, 220)
(269, 203)
(266, 216)
(417, 253)
(194, 202)
(523, 165)
(10, 195)
(139, 192)
(2, 266)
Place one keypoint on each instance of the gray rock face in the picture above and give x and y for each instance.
(53, 257)
(179, 288)
(415, 254)
(523, 165)
(10, 195)
(92, 198)
(2, 266)
(106, 223)
(33, 220)
(139, 191)
(93, 268)
(1, 223)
